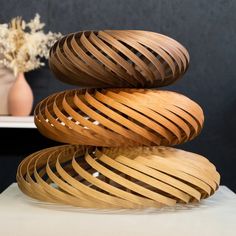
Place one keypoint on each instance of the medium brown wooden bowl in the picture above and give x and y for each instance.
(119, 117)
(118, 58)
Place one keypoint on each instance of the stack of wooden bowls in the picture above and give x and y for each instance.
(118, 126)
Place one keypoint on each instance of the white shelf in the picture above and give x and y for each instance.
(17, 122)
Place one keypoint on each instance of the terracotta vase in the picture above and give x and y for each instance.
(20, 97)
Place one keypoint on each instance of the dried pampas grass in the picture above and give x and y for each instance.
(23, 45)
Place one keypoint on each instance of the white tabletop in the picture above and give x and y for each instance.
(19, 215)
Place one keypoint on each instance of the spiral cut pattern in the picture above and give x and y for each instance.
(118, 58)
(117, 178)
(118, 117)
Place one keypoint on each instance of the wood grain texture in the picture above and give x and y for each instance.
(119, 117)
(118, 58)
(138, 177)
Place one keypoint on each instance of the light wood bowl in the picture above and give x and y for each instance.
(139, 177)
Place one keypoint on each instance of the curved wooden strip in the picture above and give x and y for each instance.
(118, 58)
(130, 177)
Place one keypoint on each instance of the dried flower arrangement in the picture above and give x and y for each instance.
(23, 45)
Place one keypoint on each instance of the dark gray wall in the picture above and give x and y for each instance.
(206, 28)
